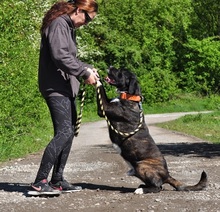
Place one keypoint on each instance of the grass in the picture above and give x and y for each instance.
(204, 126)
(33, 141)
(185, 103)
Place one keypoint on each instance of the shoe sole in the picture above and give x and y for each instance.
(37, 193)
(70, 191)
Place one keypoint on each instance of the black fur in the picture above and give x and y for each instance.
(139, 149)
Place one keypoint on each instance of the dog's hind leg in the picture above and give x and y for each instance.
(151, 177)
(143, 189)
(153, 183)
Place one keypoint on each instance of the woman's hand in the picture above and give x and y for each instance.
(93, 77)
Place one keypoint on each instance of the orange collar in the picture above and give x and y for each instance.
(130, 97)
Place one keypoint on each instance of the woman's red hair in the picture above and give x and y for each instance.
(62, 7)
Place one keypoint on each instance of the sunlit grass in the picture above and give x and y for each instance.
(204, 126)
(185, 103)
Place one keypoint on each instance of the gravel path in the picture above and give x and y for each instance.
(95, 166)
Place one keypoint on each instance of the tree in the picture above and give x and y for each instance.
(206, 19)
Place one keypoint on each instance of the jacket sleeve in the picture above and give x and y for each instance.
(64, 51)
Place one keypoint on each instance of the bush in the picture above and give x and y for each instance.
(201, 69)
(23, 111)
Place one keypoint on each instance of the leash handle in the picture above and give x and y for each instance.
(79, 118)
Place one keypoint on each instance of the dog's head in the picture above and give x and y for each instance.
(123, 80)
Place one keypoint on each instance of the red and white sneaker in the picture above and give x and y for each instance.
(42, 188)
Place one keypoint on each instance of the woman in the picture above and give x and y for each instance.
(59, 69)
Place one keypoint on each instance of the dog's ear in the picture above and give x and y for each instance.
(134, 88)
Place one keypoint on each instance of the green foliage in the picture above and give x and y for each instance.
(152, 38)
(141, 40)
(22, 109)
(201, 70)
(165, 86)
(172, 46)
(206, 19)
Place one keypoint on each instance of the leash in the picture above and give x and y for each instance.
(79, 118)
(109, 123)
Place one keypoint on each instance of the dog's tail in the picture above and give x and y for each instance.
(180, 187)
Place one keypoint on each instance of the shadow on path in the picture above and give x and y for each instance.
(205, 150)
(14, 187)
(90, 186)
(194, 149)
(23, 188)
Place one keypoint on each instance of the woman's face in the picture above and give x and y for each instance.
(81, 17)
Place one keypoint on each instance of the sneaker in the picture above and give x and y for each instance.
(43, 188)
(65, 187)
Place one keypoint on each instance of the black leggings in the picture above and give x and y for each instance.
(63, 114)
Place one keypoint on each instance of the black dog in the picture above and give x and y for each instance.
(130, 135)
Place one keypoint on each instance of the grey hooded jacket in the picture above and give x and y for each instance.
(59, 67)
